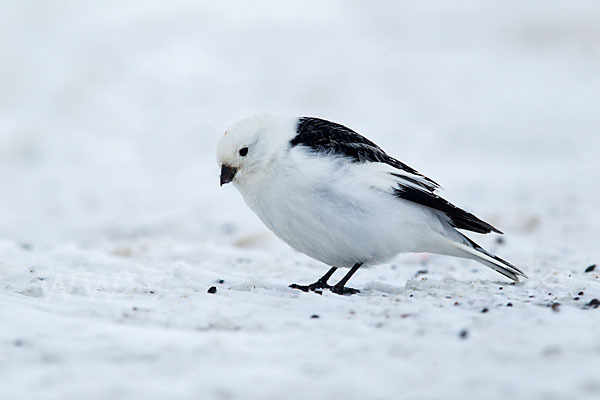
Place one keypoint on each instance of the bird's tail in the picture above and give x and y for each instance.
(470, 249)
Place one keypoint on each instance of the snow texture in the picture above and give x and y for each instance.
(113, 226)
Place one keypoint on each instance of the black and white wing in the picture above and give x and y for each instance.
(332, 139)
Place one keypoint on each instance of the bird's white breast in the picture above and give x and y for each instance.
(336, 212)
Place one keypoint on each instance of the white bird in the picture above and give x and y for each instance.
(337, 197)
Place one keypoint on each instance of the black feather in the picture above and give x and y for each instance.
(509, 270)
(459, 218)
(330, 138)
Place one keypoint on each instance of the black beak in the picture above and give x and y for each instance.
(227, 174)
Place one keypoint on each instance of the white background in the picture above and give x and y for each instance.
(113, 227)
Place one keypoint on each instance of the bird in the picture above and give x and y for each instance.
(334, 195)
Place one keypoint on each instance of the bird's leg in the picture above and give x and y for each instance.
(340, 287)
(320, 284)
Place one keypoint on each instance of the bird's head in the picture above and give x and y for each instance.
(248, 147)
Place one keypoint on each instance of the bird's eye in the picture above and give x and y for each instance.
(243, 151)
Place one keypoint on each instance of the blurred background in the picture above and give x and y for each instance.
(110, 111)
(110, 114)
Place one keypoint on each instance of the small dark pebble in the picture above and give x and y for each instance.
(212, 290)
(500, 240)
(421, 272)
(500, 288)
(315, 316)
(594, 303)
(531, 296)
(220, 281)
(410, 295)
(576, 298)
(484, 310)
(463, 334)
(555, 307)
(549, 294)
(134, 308)
(456, 303)
(590, 268)
(151, 292)
(580, 294)
(508, 304)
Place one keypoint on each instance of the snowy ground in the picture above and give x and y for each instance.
(113, 227)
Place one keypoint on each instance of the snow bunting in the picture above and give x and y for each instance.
(337, 197)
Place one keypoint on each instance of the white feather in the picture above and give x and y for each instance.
(332, 209)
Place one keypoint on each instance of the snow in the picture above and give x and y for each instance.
(113, 227)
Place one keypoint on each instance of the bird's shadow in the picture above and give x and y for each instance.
(383, 288)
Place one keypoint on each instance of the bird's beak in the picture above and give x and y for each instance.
(227, 174)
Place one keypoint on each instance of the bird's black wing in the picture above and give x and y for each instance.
(329, 138)
(459, 218)
(332, 139)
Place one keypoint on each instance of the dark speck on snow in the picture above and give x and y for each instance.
(590, 268)
(594, 303)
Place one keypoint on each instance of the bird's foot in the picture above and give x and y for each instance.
(343, 290)
(313, 287)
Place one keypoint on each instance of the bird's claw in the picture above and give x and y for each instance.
(317, 286)
(313, 287)
(344, 291)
